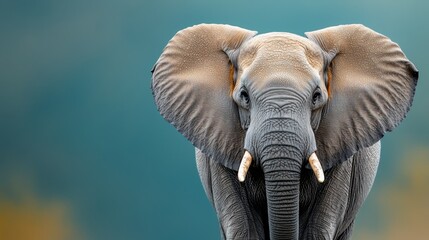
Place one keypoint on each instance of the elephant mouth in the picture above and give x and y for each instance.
(313, 160)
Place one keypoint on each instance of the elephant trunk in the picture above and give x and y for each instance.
(282, 178)
(282, 149)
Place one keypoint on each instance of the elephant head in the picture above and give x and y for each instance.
(279, 99)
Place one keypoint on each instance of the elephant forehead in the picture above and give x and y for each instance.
(282, 48)
(280, 54)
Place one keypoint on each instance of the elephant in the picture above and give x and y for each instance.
(286, 128)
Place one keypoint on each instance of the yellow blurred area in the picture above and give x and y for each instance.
(25, 216)
(405, 205)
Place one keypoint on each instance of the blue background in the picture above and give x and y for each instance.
(84, 154)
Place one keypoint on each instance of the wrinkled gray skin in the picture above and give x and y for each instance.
(326, 211)
(282, 97)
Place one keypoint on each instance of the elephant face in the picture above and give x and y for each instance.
(279, 99)
(279, 76)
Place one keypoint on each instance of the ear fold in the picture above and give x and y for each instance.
(372, 89)
(191, 85)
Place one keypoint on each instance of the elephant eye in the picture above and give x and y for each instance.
(244, 97)
(316, 96)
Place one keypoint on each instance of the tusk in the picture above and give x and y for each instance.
(317, 168)
(244, 166)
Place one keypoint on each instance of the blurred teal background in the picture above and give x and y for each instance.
(84, 153)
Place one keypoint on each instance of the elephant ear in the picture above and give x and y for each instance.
(371, 85)
(191, 84)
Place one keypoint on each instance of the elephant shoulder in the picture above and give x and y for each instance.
(369, 156)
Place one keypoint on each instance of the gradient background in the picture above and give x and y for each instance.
(84, 153)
